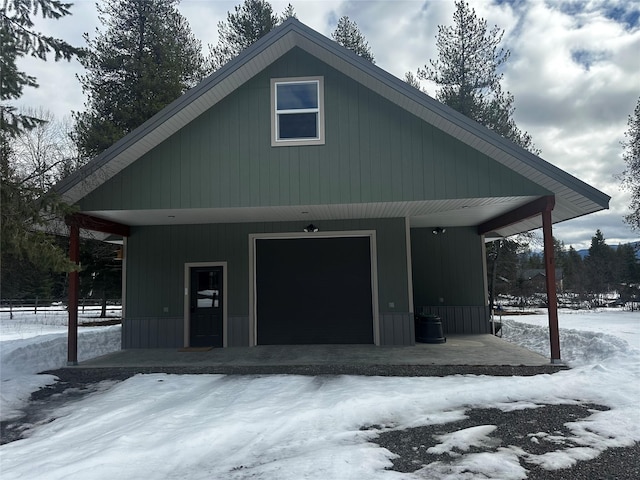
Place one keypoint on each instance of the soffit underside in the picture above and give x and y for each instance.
(446, 213)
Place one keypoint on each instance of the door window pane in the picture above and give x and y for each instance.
(207, 289)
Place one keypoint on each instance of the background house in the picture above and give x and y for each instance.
(214, 193)
(533, 280)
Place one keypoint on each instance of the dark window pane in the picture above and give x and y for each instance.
(207, 285)
(298, 125)
(297, 95)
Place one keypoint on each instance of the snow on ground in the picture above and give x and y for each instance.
(292, 427)
(585, 336)
(32, 343)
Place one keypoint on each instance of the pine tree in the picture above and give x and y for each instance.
(599, 265)
(412, 80)
(19, 39)
(628, 272)
(468, 74)
(631, 175)
(627, 264)
(288, 12)
(249, 22)
(26, 207)
(574, 272)
(145, 58)
(349, 36)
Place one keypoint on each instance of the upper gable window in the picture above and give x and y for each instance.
(297, 109)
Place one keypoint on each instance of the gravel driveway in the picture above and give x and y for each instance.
(514, 430)
(410, 445)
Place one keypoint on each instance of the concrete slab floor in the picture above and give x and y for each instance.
(469, 350)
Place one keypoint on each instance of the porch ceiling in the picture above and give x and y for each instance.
(444, 213)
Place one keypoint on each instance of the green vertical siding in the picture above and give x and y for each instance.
(448, 268)
(374, 151)
(156, 257)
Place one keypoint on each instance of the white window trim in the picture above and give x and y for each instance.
(275, 142)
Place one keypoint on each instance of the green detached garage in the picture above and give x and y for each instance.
(301, 195)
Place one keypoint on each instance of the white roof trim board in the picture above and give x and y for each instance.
(573, 197)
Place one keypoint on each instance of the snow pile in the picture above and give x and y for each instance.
(291, 427)
(34, 343)
(577, 347)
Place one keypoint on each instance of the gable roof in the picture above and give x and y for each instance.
(574, 198)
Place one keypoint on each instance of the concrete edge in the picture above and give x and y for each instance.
(361, 370)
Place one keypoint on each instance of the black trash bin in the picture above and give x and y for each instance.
(429, 328)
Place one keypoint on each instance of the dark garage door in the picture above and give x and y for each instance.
(314, 290)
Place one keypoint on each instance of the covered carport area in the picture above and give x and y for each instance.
(361, 332)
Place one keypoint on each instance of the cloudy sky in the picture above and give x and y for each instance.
(574, 71)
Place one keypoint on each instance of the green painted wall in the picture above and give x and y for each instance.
(374, 151)
(156, 257)
(447, 268)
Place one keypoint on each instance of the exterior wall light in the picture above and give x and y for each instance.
(438, 230)
(310, 228)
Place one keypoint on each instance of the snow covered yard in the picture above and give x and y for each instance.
(325, 427)
(31, 343)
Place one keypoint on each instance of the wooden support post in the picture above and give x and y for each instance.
(552, 298)
(74, 293)
(87, 222)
